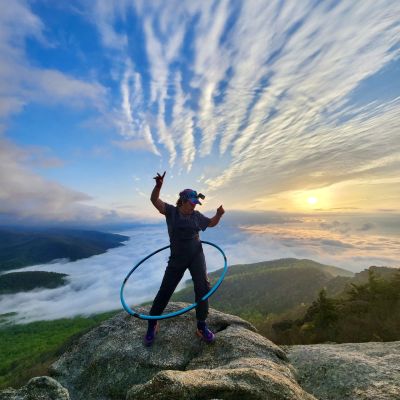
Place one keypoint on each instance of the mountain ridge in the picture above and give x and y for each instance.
(289, 262)
(22, 247)
(258, 289)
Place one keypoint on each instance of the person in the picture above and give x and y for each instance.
(184, 224)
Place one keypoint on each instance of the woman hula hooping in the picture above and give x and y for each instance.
(184, 224)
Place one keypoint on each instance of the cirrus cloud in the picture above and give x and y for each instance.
(269, 87)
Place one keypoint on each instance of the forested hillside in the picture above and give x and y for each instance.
(300, 302)
(26, 350)
(254, 291)
(14, 282)
(23, 247)
(365, 311)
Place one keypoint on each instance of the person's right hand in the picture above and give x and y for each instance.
(159, 179)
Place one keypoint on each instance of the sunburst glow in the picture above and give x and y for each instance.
(312, 200)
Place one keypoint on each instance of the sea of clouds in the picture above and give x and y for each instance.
(94, 283)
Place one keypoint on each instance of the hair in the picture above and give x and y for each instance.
(180, 202)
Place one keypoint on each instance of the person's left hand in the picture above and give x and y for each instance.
(220, 211)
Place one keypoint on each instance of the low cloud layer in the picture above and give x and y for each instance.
(95, 282)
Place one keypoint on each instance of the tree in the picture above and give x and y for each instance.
(322, 316)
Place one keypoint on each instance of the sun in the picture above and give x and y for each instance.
(312, 201)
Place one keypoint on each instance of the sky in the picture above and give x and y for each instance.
(278, 106)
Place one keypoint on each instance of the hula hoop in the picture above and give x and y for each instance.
(183, 310)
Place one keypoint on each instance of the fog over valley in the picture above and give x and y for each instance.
(354, 244)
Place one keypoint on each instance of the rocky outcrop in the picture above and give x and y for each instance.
(39, 388)
(111, 362)
(351, 371)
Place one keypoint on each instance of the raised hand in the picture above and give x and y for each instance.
(220, 211)
(159, 179)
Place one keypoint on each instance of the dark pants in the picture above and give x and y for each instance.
(177, 265)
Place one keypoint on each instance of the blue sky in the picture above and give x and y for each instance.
(281, 106)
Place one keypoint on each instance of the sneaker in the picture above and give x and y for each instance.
(204, 333)
(152, 331)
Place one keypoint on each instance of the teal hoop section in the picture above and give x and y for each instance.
(183, 310)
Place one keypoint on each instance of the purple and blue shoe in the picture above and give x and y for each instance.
(151, 333)
(204, 332)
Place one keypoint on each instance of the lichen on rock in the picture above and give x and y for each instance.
(38, 388)
(351, 371)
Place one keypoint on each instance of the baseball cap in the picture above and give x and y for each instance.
(190, 195)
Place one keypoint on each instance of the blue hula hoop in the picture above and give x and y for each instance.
(183, 310)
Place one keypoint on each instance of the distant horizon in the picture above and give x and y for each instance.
(236, 214)
(354, 235)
